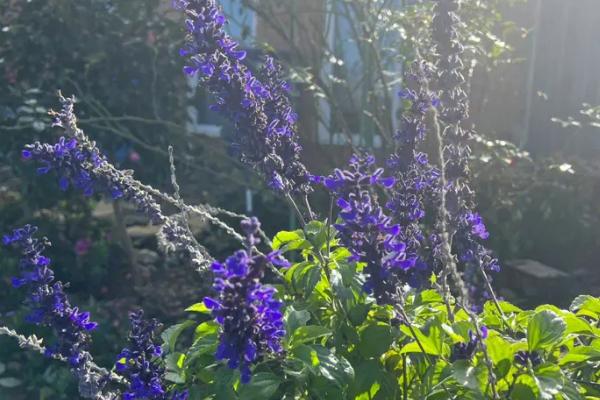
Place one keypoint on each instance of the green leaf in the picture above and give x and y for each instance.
(367, 375)
(375, 340)
(545, 329)
(203, 345)
(316, 233)
(524, 389)
(224, 379)
(505, 306)
(295, 319)
(262, 387)
(206, 328)
(472, 377)
(499, 349)
(331, 366)
(428, 297)
(172, 333)
(549, 381)
(304, 276)
(428, 345)
(198, 308)
(292, 240)
(308, 333)
(174, 368)
(586, 305)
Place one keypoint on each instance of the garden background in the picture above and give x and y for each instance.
(533, 90)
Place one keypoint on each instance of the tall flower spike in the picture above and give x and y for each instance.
(248, 312)
(417, 181)
(469, 227)
(79, 163)
(140, 362)
(49, 306)
(365, 229)
(265, 124)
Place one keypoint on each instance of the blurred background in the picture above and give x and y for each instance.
(532, 74)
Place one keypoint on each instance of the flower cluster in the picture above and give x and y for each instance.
(47, 300)
(525, 357)
(417, 181)
(248, 312)
(365, 229)
(50, 306)
(468, 227)
(465, 350)
(140, 362)
(79, 163)
(266, 136)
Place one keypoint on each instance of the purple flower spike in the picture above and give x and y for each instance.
(248, 312)
(259, 106)
(48, 303)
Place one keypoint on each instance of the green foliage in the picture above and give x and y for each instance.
(341, 345)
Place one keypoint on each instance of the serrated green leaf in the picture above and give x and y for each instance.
(172, 333)
(469, 376)
(262, 386)
(587, 305)
(206, 328)
(331, 366)
(428, 346)
(549, 381)
(375, 339)
(294, 319)
(309, 333)
(292, 240)
(545, 329)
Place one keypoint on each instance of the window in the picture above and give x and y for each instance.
(352, 76)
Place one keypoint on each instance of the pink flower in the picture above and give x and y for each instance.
(82, 247)
(134, 156)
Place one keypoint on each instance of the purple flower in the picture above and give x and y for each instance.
(477, 226)
(248, 312)
(140, 362)
(525, 357)
(82, 247)
(79, 163)
(365, 229)
(259, 107)
(47, 301)
(467, 226)
(416, 180)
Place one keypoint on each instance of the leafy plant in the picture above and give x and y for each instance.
(390, 297)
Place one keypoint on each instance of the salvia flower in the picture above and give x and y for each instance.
(466, 350)
(248, 312)
(49, 306)
(469, 229)
(416, 180)
(48, 303)
(140, 362)
(265, 124)
(79, 163)
(525, 357)
(366, 230)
